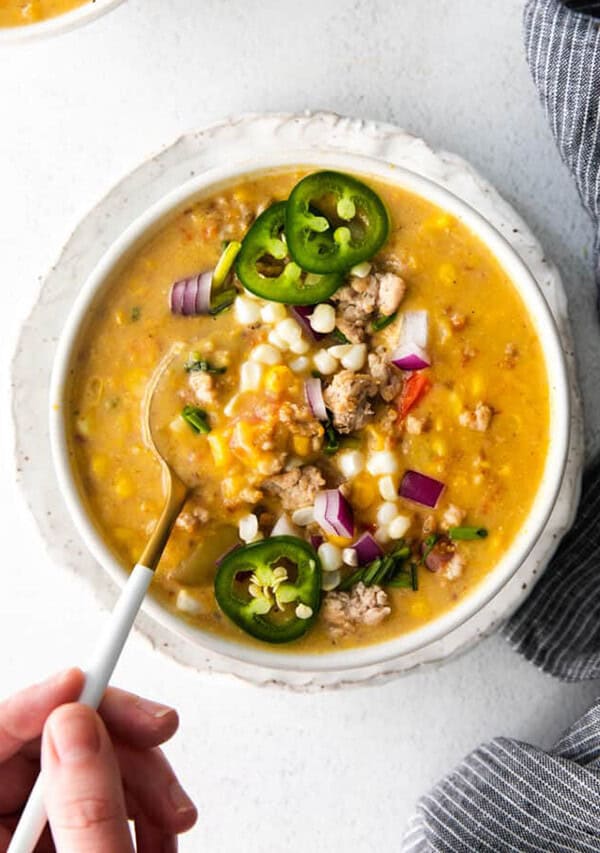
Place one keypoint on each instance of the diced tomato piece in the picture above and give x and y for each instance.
(415, 387)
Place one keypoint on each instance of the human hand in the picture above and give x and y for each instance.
(100, 769)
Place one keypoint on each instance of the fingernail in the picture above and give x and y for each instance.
(153, 709)
(179, 799)
(75, 735)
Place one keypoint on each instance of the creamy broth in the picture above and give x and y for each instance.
(485, 360)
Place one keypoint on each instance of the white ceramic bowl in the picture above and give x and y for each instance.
(211, 181)
(59, 24)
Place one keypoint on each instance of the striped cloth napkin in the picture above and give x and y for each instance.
(508, 795)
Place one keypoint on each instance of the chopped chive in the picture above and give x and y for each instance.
(352, 579)
(332, 439)
(385, 571)
(372, 571)
(429, 545)
(401, 581)
(381, 322)
(196, 418)
(467, 533)
(339, 336)
(136, 313)
(200, 364)
(414, 577)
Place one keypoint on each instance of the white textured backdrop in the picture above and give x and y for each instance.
(269, 769)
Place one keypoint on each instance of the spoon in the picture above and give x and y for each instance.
(111, 642)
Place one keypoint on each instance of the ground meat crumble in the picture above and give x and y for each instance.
(296, 488)
(344, 612)
(349, 398)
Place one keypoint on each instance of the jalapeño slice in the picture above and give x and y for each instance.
(264, 267)
(271, 589)
(333, 222)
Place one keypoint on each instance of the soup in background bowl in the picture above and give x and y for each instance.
(26, 19)
(367, 471)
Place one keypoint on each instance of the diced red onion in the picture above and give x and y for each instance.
(314, 397)
(191, 296)
(303, 313)
(333, 513)
(367, 549)
(410, 357)
(421, 489)
(411, 352)
(315, 541)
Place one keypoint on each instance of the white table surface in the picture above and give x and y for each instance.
(274, 770)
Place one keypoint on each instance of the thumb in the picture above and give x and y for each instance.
(83, 791)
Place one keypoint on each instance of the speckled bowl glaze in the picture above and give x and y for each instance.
(320, 139)
(60, 24)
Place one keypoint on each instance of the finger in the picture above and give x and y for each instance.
(149, 778)
(18, 776)
(149, 838)
(32, 749)
(82, 785)
(137, 721)
(23, 715)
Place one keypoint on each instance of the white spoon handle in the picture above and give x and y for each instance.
(98, 673)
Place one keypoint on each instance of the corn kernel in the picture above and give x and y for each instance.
(375, 436)
(444, 330)
(99, 464)
(135, 380)
(477, 385)
(122, 534)
(178, 425)
(219, 449)
(232, 486)
(340, 541)
(438, 445)
(420, 610)
(302, 445)
(364, 491)
(123, 425)
(83, 427)
(447, 273)
(124, 486)
(242, 196)
(455, 402)
(278, 379)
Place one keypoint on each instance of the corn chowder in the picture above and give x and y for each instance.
(15, 13)
(353, 391)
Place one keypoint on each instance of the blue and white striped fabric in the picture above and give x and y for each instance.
(558, 628)
(510, 796)
(507, 795)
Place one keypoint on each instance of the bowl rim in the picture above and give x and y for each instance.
(61, 23)
(209, 182)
